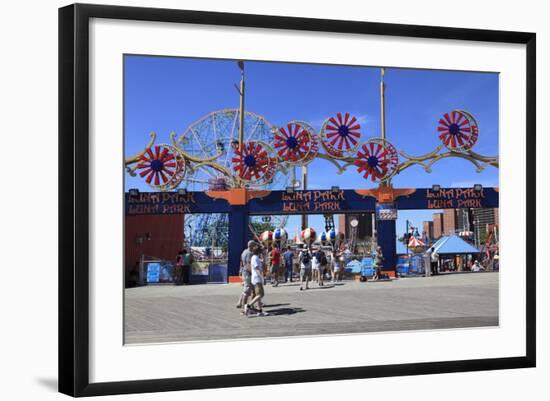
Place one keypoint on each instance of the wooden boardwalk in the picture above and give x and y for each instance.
(208, 312)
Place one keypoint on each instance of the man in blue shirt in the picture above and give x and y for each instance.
(288, 256)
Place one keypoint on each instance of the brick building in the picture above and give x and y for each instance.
(481, 219)
(157, 236)
(450, 219)
(428, 229)
(437, 225)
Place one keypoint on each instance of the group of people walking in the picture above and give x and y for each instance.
(252, 275)
(314, 265)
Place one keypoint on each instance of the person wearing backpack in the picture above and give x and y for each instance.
(305, 268)
(323, 262)
(186, 268)
(315, 266)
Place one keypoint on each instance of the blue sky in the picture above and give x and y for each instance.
(165, 94)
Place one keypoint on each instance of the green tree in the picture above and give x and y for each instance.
(259, 228)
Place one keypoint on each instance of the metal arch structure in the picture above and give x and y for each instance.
(456, 140)
(208, 150)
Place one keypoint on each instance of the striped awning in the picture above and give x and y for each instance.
(415, 243)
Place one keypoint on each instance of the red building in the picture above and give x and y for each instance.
(155, 236)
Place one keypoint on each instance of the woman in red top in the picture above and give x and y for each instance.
(275, 265)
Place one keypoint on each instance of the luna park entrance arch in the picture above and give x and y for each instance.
(241, 203)
(240, 161)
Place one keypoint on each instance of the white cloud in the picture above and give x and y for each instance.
(469, 184)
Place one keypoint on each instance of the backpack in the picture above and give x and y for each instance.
(305, 258)
(323, 259)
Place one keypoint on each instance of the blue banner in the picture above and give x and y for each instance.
(312, 201)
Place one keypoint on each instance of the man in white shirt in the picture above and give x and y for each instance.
(495, 263)
(257, 280)
(477, 267)
(435, 261)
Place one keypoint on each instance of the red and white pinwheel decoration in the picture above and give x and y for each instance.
(161, 166)
(340, 136)
(252, 162)
(295, 144)
(377, 159)
(458, 130)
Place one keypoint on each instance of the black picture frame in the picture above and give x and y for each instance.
(74, 198)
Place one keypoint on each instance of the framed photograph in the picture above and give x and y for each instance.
(251, 199)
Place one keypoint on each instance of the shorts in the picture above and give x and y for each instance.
(259, 289)
(315, 266)
(275, 269)
(305, 274)
(247, 289)
(247, 285)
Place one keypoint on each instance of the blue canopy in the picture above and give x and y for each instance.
(453, 245)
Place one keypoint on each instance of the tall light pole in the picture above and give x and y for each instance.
(476, 229)
(382, 105)
(304, 187)
(241, 104)
(374, 239)
(407, 236)
(383, 183)
(241, 108)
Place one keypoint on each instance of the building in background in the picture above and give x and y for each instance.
(485, 216)
(437, 225)
(428, 230)
(450, 221)
(481, 220)
(454, 221)
(154, 236)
